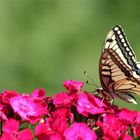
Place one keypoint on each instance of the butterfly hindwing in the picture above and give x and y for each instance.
(109, 70)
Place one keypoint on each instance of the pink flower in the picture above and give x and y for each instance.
(28, 109)
(38, 94)
(136, 130)
(127, 116)
(127, 137)
(11, 132)
(55, 136)
(5, 107)
(64, 99)
(3, 112)
(57, 123)
(73, 86)
(60, 119)
(79, 131)
(71, 115)
(89, 104)
(43, 130)
(111, 127)
(137, 120)
(7, 95)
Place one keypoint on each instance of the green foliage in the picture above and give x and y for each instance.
(43, 43)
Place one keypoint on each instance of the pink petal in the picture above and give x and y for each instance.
(43, 129)
(28, 109)
(60, 119)
(26, 134)
(137, 120)
(136, 130)
(71, 85)
(111, 126)
(7, 95)
(64, 99)
(10, 126)
(127, 137)
(79, 131)
(55, 136)
(127, 116)
(89, 104)
(38, 94)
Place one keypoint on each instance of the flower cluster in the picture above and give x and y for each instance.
(73, 114)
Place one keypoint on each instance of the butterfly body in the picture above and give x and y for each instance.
(118, 69)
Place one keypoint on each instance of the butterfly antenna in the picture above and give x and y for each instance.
(87, 82)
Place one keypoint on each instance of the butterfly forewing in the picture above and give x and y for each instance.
(118, 68)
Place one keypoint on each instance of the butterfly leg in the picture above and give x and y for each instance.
(112, 101)
(110, 98)
(105, 95)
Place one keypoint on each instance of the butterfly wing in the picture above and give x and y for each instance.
(119, 71)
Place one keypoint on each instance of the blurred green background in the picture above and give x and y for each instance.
(45, 42)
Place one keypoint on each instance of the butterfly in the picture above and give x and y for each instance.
(119, 70)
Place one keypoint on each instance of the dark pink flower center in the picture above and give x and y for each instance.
(15, 134)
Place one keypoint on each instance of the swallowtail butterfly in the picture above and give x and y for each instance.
(118, 68)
